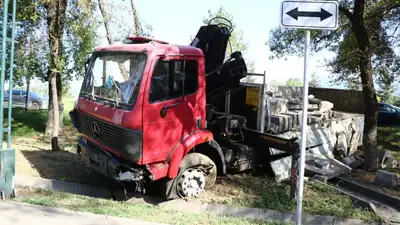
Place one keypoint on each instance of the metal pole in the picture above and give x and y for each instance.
(3, 70)
(10, 79)
(263, 105)
(28, 90)
(303, 130)
(227, 101)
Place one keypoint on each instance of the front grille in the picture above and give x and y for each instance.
(110, 135)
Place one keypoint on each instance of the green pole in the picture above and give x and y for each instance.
(10, 80)
(7, 156)
(3, 69)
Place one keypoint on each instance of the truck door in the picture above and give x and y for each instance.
(163, 129)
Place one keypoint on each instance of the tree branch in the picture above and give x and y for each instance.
(347, 13)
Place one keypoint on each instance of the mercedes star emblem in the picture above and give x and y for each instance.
(95, 129)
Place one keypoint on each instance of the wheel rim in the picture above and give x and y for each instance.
(35, 106)
(5, 104)
(191, 183)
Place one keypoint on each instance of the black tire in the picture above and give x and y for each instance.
(170, 188)
(35, 106)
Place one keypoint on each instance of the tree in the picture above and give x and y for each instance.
(314, 82)
(363, 43)
(136, 19)
(386, 84)
(120, 26)
(55, 24)
(294, 82)
(28, 15)
(275, 83)
(78, 37)
(236, 40)
(109, 35)
(53, 40)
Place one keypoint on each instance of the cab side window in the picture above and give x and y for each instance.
(158, 90)
(164, 87)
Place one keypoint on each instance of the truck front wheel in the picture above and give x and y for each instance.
(197, 173)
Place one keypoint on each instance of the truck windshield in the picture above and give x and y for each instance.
(114, 77)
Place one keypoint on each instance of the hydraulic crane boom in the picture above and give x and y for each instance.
(221, 73)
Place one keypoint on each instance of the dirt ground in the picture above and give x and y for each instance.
(35, 158)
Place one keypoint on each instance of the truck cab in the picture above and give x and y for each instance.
(141, 110)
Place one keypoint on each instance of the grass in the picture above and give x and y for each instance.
(124, 209)
(263, 192)
(33, 122)
(389, 139)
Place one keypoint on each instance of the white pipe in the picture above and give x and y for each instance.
(303, 130)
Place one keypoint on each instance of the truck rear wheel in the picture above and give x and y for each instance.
(197, 173)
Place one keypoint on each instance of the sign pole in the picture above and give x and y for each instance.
(307, 15)
(303, 129)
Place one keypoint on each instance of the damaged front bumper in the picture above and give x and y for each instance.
(107, 164)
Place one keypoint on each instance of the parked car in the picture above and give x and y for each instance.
(36, 101)
(388, 114)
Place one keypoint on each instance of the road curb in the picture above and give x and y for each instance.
(183, 205)
(74, 188)
(384, 198)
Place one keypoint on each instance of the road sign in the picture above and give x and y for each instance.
(323, 15)
(307, 15)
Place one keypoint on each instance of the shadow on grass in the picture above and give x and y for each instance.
(65, 166)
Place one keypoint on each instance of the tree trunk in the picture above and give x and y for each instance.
(109, 38)
(370, 100)
(56, 113)
(371, 116)
(55, 25)
(135, 18)
(50, 117)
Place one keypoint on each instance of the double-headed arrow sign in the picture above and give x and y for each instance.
(305, 14)
(295, 14)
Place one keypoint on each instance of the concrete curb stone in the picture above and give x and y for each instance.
(45, 214)
(74, 188)
(193, 206)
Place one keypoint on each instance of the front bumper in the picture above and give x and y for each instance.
(107, 164)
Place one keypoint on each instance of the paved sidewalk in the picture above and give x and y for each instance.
(14, 213)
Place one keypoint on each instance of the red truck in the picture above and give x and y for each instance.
(147, 114)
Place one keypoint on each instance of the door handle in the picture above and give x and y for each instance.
(163, 112)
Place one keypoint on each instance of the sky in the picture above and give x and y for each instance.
(175, 21)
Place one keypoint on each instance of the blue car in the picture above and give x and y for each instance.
(19, 97)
